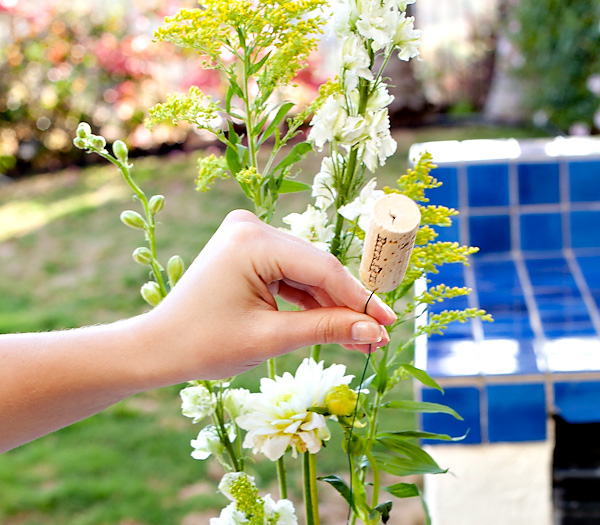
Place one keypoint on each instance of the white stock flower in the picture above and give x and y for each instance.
(406, 38)
(355, 61)
(380, 144)
(362, 207)
(209, 443)
(323, 185)
(312, 226)
(235, 401)
(402, 4)
(377, 23)
(333, 123)
(197, 402)
(230, 516)
(379, 99)
(329, 118)
(281, 419)
(281, 512)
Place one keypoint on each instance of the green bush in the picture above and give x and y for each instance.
(559, 41)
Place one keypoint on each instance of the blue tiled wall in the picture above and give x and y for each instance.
(535, 216)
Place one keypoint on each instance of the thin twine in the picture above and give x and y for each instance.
(362, 379)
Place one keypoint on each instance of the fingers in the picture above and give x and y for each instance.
(306, 268)
(291, 330)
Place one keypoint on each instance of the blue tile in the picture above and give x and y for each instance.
(491, 233)
(584, 181)
(585, 232)
(488, 185)
(508, 356)
(465, 400)
(539, 183)
(447, 193)
(578, 402)
(541, 232)
(516, 413)
(452, 358)
(448, 233)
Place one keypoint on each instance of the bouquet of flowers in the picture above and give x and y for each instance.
(259, 46)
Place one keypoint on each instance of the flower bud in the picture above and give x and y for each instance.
(84, 130)
(357, 445)
(175, 269)
(98, 142)
(133, 219)
(142, 256)
(341, 401)
(151, 293)
(80, 143)
(156, 203)
(120, 150)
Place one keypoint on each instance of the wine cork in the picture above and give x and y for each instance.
(389, 242)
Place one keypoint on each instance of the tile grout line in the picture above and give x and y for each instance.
(583, 288)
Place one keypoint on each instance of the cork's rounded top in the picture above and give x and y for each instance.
(396, 213)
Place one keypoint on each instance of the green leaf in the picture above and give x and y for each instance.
(293, 186)
(298, 152)
(404, 490)
(422, 406)
(234, 89)
(341, 486)
(399, 466)
(415, 434)
(283, 111)
(383, 509)
(405, 448)
(233, 160)
(318, 410)
(255, 68)
(409, 490)
(422, 376)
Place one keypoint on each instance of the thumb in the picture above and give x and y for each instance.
(327, 325)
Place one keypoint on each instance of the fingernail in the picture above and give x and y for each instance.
(364, 332)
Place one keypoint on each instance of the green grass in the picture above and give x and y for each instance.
(66, 262)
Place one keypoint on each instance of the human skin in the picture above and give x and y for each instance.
(221, 319)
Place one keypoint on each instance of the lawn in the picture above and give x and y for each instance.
(66, 262)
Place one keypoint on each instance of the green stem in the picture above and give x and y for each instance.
(376, 478)
(282, 478)
(124, 169)
(309, 471)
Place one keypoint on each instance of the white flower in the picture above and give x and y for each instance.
(280, 418)
(353, 255)
(230, 516)
(328, 119)
(281, 512)
(208, 442)
(378, 23)
(362, 207)
(380, 144)
(229, 479)
(355, 62)
(312, 226)
(197, 402)
(323, 185)
(402, 4)
(333, 122)
(235, 401)
(406, 38)
(379, 99)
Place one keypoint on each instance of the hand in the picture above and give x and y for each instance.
(222, 318)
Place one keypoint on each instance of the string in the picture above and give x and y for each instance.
(362, 379)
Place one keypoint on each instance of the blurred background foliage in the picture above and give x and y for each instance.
(558, 60)
(62, 62)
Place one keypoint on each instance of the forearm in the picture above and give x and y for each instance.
(50, 380)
